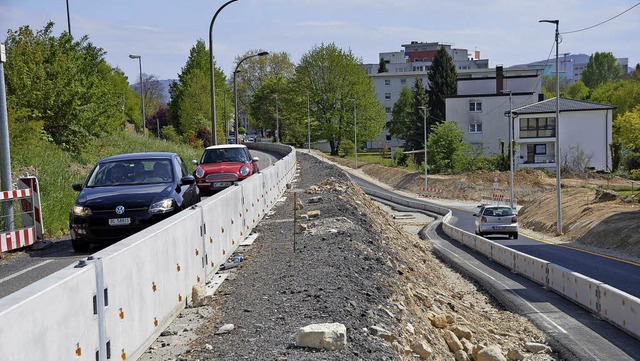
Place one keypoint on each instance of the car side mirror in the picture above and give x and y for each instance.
(255, 159)
(77, 187)
(188, 179)
(475, 214)
(194, 162)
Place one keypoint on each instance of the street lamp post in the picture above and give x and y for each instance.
(277, 122)
(558, 168)
(235, 90)
(308, 125)
(424, 113)
(68, 18)
(214, 135)
(144, 121)
(355, 133)
(511, 145)
(224, 110)
(5, 157)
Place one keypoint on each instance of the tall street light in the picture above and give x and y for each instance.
(235, 90)
(224, 110)
(144, 121)
(424, 113)
(511, 145)
(68, 18)
(558, 190)
(308, 125)
(214, 134)
(355, 133)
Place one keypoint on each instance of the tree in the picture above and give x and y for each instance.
(382, 67)
(446, 150)
(253, 72)
(152, 93)
(190, 104)
(601, 68)
(407, 118)
(332, 77)
(627, 127)
(577, 90)
(402, 115)
(65, 83)
(443, 82)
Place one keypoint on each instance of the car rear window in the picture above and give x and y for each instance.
(498, 212)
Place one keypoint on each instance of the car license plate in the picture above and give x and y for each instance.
(498, 228)
(221, 184)
(119, 221)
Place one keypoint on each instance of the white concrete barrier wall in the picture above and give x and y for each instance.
(52, 319)
(145, 280)
(613, 305)
(620, 308)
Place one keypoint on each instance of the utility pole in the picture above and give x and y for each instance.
(7, 209)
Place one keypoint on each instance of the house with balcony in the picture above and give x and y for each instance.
(582, 127)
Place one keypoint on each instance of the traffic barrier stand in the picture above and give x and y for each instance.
(30, 228)
(430, 190)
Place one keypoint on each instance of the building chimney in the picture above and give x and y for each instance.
(499, 79)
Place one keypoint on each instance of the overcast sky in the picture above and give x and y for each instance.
(506, 32)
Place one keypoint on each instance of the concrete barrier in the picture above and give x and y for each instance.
(115, 303)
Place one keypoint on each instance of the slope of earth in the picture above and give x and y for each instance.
(592, 219)
(352, 265)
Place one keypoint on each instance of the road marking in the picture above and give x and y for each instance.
(25, 271)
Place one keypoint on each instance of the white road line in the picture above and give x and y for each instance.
(25, 271)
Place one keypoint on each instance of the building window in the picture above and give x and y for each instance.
(538, 127)
(403, 81)
(475, 127)
(388, 137)
(387, 82)
(475, 106)
(387, 96)
(387, 109)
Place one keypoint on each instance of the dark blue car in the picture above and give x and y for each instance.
(126, 193)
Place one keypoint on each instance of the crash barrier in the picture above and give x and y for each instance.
(30, 227)
(616, 307)
(116, 302)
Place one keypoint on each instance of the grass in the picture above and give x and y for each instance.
(57, 170)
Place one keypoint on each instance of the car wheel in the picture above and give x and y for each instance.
(82, 247)
(515, 236)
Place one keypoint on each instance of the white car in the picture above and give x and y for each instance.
(496, 219)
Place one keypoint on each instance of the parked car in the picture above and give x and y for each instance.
(126, 193)
(222, 165)
(496, 219)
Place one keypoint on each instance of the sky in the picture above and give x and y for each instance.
(507, 32)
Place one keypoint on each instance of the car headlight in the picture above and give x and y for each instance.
(244, 170)
(165, 205)
(199, 172)
(81, 210)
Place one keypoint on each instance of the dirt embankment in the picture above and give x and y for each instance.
(594, 216)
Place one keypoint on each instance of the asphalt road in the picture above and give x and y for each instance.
(576, 333)
(26, 267)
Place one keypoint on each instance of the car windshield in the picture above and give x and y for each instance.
(225, 155)
(498, 212)
(131, 172)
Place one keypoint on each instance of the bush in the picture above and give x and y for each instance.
(399, 157)
(346, 148)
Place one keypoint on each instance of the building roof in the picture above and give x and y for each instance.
(566, 105)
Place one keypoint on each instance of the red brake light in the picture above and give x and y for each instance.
(514, 219)
(483, 220)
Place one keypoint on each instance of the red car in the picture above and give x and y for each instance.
(222, 165)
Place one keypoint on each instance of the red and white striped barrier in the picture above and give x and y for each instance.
(432, 190)
(30, 213)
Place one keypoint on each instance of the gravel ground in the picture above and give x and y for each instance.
(352, 265)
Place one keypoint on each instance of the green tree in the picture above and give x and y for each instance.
(402, 115)
(414, 139)
(446, 151)
(601, 68)
(253, 72)
(66, 83)
(577, 90)
(190, 104)
(332, 77)
(443, 82)
(628, 130)
(382, 66)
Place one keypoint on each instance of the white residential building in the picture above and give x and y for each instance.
(584, 127)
